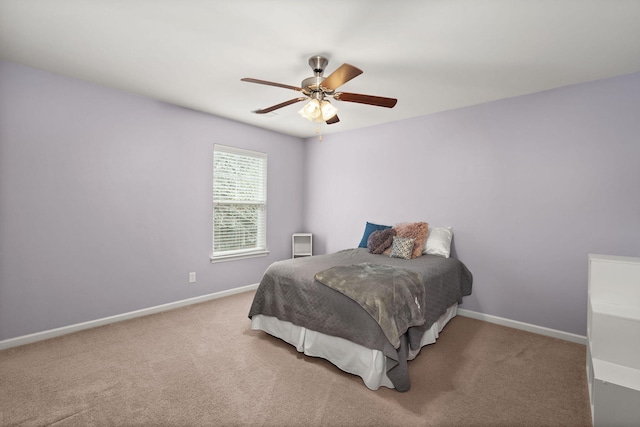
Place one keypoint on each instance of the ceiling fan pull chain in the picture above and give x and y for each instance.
(318, 133)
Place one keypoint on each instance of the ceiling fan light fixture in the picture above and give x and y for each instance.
(328, 110)
(318, 111)
(311, 111)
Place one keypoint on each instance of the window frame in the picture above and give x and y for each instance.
(261, 234)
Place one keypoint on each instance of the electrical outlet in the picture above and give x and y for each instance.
(192, 277)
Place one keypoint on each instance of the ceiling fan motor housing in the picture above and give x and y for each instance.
(312, 85)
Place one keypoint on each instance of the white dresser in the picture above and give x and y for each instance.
(613, 340)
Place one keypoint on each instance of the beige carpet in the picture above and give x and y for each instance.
(202, 365)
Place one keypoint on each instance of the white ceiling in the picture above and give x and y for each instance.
(433, 55)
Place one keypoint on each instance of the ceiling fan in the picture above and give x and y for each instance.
(317, 89)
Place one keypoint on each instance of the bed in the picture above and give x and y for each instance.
(298, 302)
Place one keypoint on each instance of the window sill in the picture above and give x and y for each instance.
(233, 257)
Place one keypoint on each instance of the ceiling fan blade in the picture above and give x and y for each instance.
(282, 104)
(343, 74)
(333, 120)
(264, 82)
(378, 101)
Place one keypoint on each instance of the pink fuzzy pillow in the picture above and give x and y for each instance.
(413, 230)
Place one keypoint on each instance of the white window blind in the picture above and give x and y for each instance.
(239, 202)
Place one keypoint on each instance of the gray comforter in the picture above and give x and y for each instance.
(289, 291)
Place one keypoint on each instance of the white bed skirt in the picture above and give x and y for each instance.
(370, 365)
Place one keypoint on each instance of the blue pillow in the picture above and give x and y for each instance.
(368, 229)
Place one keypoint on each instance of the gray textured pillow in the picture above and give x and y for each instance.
(402, 247)
(380, 240)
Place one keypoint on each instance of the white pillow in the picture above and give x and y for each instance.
(439, 241)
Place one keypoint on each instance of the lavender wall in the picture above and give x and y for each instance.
(105, 201)
(105, 197)
(531, 185)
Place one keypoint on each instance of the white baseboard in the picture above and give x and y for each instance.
(39, 336)
(567, 336)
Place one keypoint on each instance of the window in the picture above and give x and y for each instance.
(239, 203)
